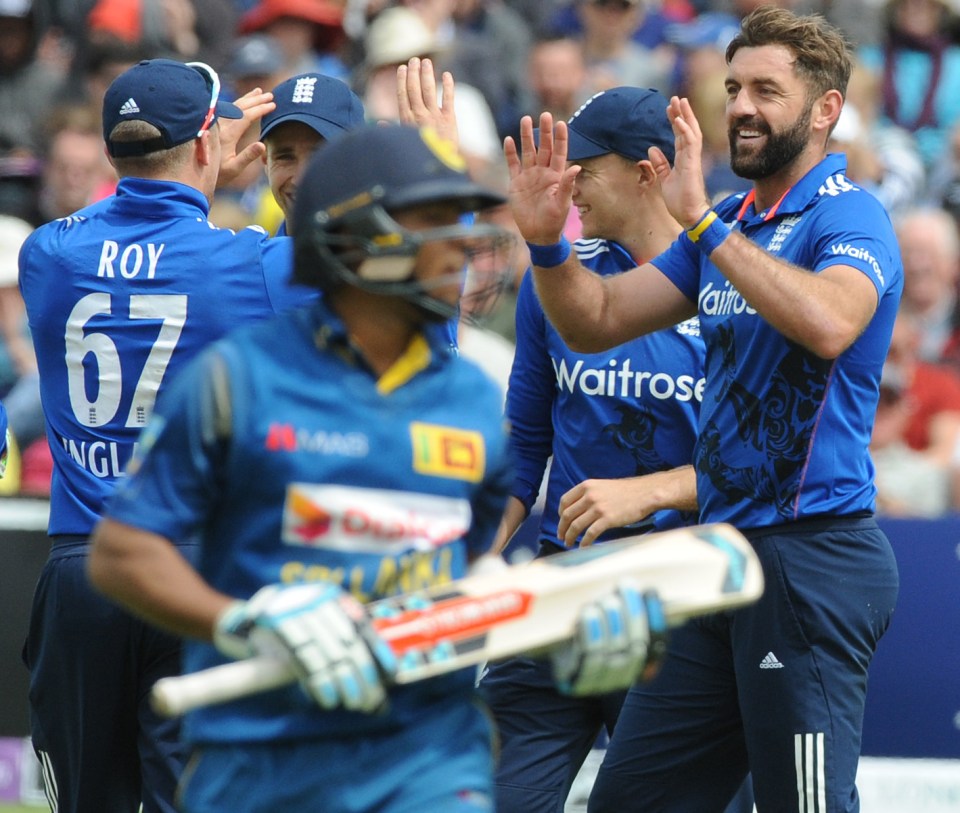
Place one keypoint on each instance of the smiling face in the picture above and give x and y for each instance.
(599, 194)
(768, 112)
(289, 147)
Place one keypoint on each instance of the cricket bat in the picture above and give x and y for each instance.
(525, 608)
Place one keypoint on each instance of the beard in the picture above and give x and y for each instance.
(780, 151)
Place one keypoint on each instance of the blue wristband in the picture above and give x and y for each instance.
(549, 256)
(709, 233)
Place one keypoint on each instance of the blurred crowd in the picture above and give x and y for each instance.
(900, 129)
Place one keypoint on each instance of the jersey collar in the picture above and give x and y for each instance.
(331, 334)
(799, 196)
(166, 198)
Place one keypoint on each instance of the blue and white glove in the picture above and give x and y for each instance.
(322, 632)
(617, 638)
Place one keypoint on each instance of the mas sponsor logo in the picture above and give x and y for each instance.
(444, 451)
(369, 520)
(285, 437)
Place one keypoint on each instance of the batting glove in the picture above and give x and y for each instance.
(322, 632)
(617, 638)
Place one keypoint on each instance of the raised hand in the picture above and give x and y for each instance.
(620, 638)
(683, 186)
(323, 632)
(255, 105)
(419, 103)
(541, 183)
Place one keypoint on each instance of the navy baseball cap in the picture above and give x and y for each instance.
(180, 99)
(395, 166)
(321, 102)
(624, 120)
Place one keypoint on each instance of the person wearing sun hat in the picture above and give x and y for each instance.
(120, 296)
(310, 32)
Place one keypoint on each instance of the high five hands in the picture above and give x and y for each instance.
(541, 181)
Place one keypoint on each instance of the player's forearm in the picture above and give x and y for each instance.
(513, 516)
(146, 574)
(824, 312)
(574, 300)
(673, 489)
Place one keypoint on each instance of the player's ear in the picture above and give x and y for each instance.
(204, 148)
(826, 110)
(646, 174)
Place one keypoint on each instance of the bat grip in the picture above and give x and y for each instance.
(173, 696)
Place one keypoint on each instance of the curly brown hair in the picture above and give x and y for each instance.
(821, 51)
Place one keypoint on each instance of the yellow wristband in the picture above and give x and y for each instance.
(704, 224)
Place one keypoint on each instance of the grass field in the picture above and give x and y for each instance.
(5, 808)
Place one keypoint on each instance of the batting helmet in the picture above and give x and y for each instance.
(343, 229)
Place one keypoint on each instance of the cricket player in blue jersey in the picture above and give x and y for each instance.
(796, 284)
(119, 296)
(627, 416)
(338, 454)
(311, 110)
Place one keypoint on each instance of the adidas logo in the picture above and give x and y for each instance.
(770, 662)
(128, 107)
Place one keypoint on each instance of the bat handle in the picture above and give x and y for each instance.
(173, 696)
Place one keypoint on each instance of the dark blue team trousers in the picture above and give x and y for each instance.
(778, 687)
(101, 747)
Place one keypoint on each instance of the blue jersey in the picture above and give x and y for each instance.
(325, 473)
(624, 412)
(119, 296)
(783, 432)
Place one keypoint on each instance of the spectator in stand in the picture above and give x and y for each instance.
(930, 248)
(880, 155)
(19, 385)
(556, 76)
(177, 29)
(396, 36)
(931, 392)
(94, 67)
(613, 56)
(651, 32)
(257, 62)
(943, 183)
(909, 482)
(919, 69)
(28, 85)
(164, 28)
(485, 45)
(699, 47)
(310, 32)
(75, 166)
